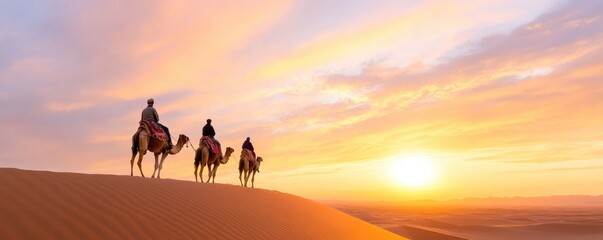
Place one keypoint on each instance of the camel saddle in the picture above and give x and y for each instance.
(250, 156)
(210, 143)
(154, 129)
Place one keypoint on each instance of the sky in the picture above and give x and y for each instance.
(493, 98)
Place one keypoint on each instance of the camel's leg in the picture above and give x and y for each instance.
(213, 173)
(248, 172)
(198, 162)
(245, 177)
(246, 168)
(156, 164)
(134, 151)
(163, 156)
(204, 160)
(252, 179)
(248, 175)
(196, 173)
(209, 166)
(132, 163)
(240, 180)
(209, 172)
(140, 154)
(215, 170)
(201, 172)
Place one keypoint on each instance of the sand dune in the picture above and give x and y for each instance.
(581, 220)
(47, 205)
(417, 233)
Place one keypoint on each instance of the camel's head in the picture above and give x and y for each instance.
(229, 151)
(260, 159)
(182, 138)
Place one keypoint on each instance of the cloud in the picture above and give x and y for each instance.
(397, 36)
(516, 92)
(67, 107)
(549, 170)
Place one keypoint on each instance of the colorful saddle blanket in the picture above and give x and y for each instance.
(155, 130)
(212, 145)
(250, 156)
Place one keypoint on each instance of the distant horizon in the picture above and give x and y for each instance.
(353, 100)
(383, 202)
(461, 200)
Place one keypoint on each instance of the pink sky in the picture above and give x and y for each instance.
(502, 97)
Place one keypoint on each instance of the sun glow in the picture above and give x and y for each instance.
(413, 170)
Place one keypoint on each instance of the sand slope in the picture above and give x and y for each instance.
(422, 234)
(48, 205)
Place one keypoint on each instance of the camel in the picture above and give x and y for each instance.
(146, 142)
(204, 157)
(244, 165)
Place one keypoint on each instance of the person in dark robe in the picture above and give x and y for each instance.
(208, 130)
(247, 145)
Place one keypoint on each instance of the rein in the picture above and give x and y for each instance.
(187, 143)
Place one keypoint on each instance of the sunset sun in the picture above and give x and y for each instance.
(413, 170)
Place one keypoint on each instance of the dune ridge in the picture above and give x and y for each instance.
(49, 205)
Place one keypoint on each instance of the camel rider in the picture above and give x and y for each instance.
(208, 130)
(150, 114)
(247, 145)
